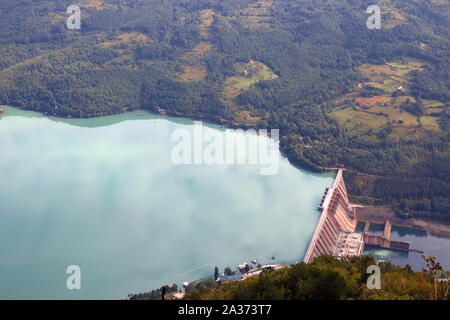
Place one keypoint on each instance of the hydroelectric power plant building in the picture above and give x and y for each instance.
(335, 231)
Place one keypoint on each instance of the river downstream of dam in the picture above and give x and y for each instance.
(103, 194)
(430, 244)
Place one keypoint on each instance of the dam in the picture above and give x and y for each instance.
(336, 222)
(335, 231)
(384, 241)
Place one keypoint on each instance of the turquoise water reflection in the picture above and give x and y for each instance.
(103, 194)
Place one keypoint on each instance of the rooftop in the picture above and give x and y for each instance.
(348, 244)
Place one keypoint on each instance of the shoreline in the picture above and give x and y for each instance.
(223, 123)
(378, 215)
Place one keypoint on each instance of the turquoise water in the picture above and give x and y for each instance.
(104, 194)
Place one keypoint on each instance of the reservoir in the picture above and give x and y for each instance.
(104, 194)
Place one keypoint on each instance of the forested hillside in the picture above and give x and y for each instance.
(375, 101)
(329, 279)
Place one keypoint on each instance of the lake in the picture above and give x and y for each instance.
(103, 194)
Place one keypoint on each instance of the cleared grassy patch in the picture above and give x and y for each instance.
(371, 70)
(126, 38)
(250, 73)
(375, 85)
(403, 68)
(407, 134)
(396, 116)
(207, 19)
(96, 4)
(193, 73)
(434, 110)
(392, 17)
(432, 103)
(231, 93)
(433, 106)
(390, 76)
(257, 14)
(402, 99)
(430, 123)
(358, 122)
(196, 54)
(378, 111)
(373, 100)
(201, 50)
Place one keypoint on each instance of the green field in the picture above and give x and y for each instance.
(359, 122)
(368, 115)
(391, 75)
(257, 71)
(430, 123)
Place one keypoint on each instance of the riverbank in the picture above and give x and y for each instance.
(379, 215)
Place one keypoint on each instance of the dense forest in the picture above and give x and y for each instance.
(374, 101)
(329, 279)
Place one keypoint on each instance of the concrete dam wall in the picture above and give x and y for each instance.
(336, 217)
(335, 231)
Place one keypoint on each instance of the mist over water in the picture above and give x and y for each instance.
(104, 194)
